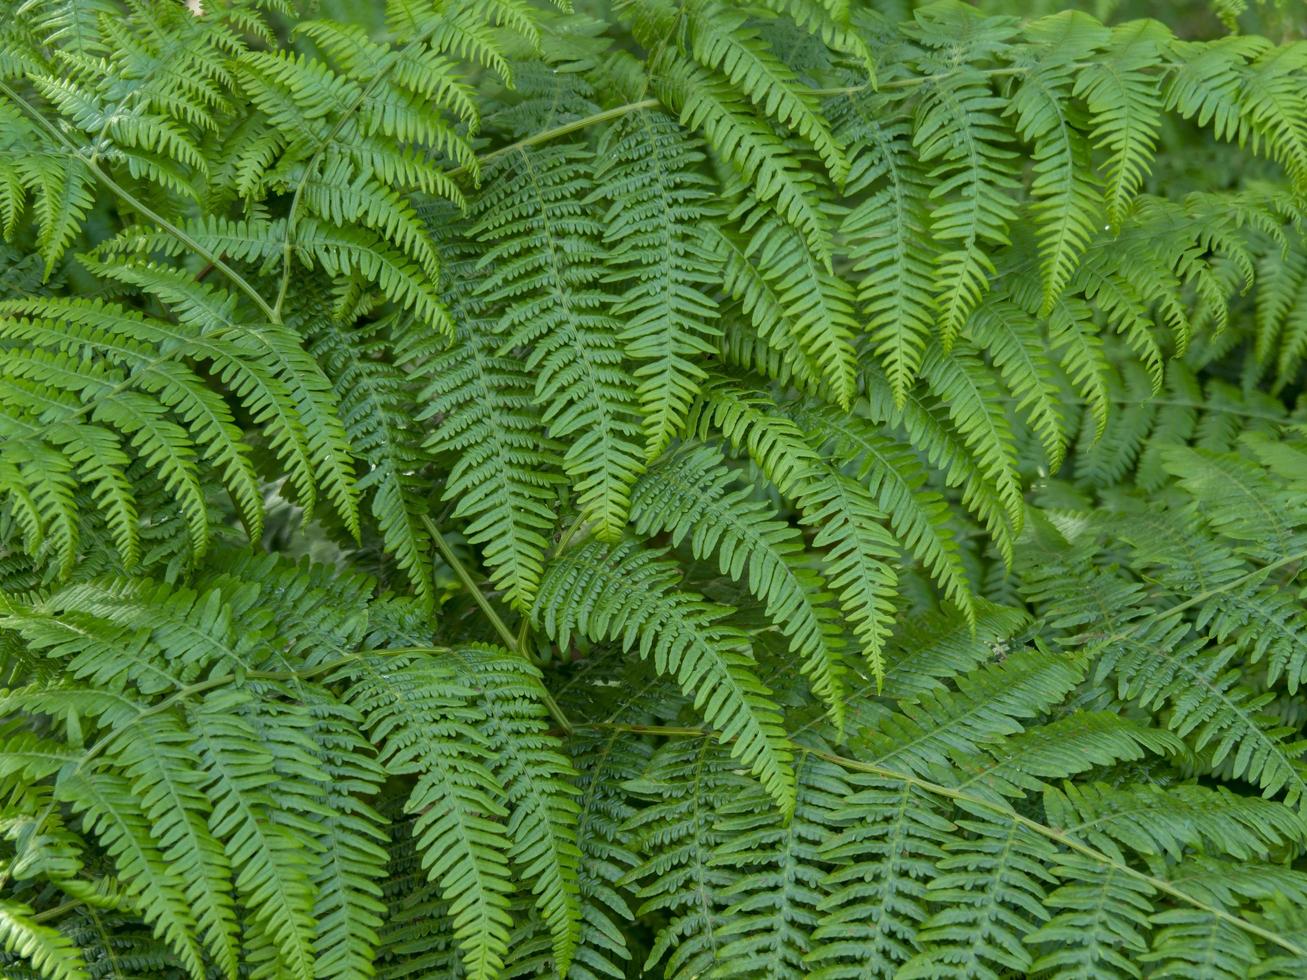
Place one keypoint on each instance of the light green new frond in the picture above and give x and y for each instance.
(687, 495)
(630, 595)
(657, 211)
(427, 727)
(538, 788)
(1125, 105)
(48, 950)
(543, 256)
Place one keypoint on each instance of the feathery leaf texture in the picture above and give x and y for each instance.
(491, 489)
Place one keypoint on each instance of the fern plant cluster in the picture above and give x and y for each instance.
(668, 488)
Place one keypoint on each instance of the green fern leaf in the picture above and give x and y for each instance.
(456, 797)
(629, 595)
(544, 253)
(685, 495)
(657, 203)
(537, 784)
(48, 950)
(1125, 108)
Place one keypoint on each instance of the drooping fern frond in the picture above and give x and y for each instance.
(114, 381)
(628, 594)
(686, 495)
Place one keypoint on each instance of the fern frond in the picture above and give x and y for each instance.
(543, 249)
(657, 205)
(775, 906)
(1125, 104)
(720, 40)
(537, 786)
(424, 720)
(708, 104)
(678, 834)
(784, 290)
(110, 812)
(876, 892)
(991, 891)
(49, 951)
(686, 495)
(1067, 198)
(887, 235)
(958, 125)
(628, 594)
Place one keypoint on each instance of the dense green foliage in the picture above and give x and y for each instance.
(673, 488)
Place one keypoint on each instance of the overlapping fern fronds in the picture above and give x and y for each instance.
(491, 488)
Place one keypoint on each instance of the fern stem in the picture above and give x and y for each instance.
(144, 209)
(668, 730)
(548, 134)
(1044, 830)
(505, 634)
(1197, 599)
(919, 80)
(1053, 834)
